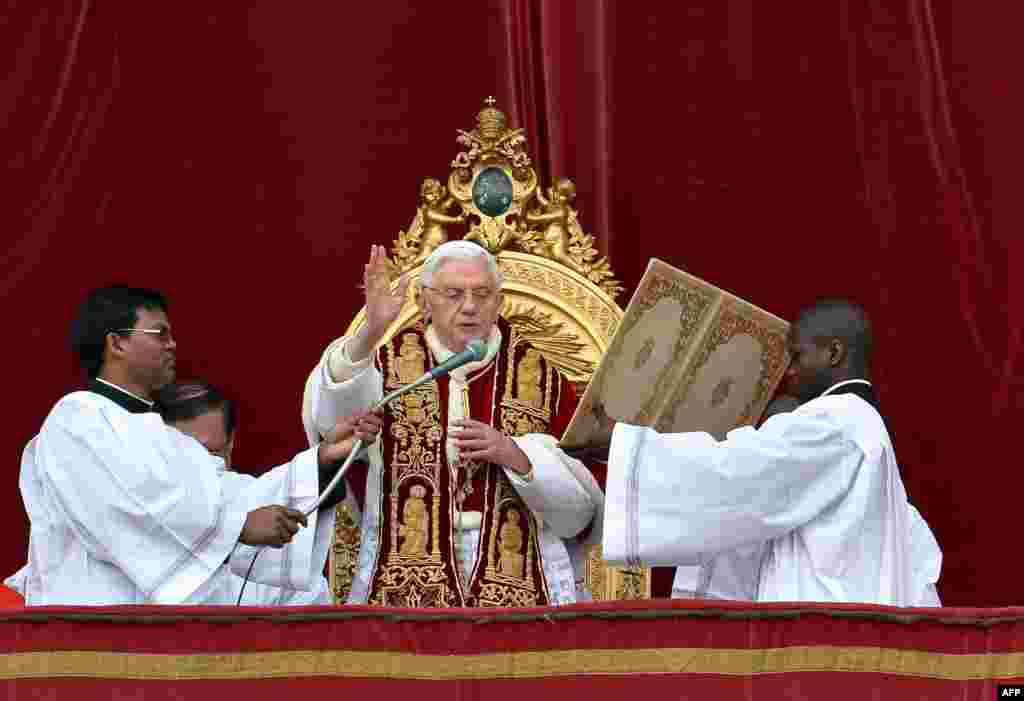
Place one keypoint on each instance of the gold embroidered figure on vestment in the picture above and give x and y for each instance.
(511, 545)
(415, 523)
(526, 410)
(507, 580)
(412, 360)
(528, 386)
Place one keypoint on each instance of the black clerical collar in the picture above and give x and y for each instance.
(859, 387)
(122, 397)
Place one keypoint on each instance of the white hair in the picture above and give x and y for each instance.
(459, 250)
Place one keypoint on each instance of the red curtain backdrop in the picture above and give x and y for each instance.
(242, 160)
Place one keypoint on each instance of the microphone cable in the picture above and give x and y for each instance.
(249, 572)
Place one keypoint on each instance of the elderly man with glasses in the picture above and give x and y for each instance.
(467, 500)
(127, 510)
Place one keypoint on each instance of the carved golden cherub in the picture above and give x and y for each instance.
(553, 215)
(511, 543)
(427, 230)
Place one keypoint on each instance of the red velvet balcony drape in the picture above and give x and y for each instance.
(655, 650)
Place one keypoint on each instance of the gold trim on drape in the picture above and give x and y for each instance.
(512, 665)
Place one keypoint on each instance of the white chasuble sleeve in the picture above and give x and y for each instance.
(676, 499)
(137, 495)
(338, 388)
(298, 565)
(562, 494)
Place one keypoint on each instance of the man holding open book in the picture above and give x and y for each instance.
(812, 500)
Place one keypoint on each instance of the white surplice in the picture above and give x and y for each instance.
(563, 495)
(256, 594)
(809, 507)
(127, 510)
(253, 594)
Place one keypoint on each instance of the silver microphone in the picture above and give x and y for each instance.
(475, 352)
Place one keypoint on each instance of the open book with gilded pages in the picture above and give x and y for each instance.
(687, 356)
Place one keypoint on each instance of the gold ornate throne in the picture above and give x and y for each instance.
(558, 293)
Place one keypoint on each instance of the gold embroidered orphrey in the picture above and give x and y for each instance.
(416, 564)
(559, 297)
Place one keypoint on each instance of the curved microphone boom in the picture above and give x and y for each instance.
(475, 352)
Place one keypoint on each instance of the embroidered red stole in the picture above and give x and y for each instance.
(416, 566)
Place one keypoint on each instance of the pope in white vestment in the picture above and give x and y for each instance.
(557, 499)
(561, 493)
(809, 507)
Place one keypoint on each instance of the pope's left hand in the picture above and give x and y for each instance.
(479, 441)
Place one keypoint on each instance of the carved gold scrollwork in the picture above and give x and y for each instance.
(561, 347)
(345, 552)
(531, 221)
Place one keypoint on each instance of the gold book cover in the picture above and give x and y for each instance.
(687, 356)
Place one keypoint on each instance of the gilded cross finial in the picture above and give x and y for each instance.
(490, 101)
